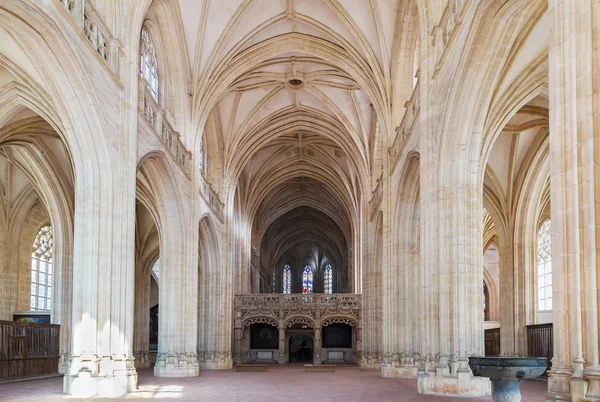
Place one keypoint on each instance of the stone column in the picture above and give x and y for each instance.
(239, 336)
(574, 186)
(228, 280)
(178, 308)
(317, 359)
(246, 358)
(359, 342)
(507, 296)
(451, 257)
(281, 359)
(141, 343)
(101, 361)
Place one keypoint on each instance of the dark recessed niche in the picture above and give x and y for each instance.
(295, 82)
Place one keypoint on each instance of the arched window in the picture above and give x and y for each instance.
(544, 267)
(328, 280)
(148, 64)
(486, 304)
(156, 270)
(287, 279)
(307, 280)
(41, 271)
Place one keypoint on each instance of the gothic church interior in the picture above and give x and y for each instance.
(385, 186)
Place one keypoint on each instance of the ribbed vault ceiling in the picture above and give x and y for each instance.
(295, 95)
(300, 230)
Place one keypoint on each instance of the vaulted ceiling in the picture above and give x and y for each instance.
(296, 96)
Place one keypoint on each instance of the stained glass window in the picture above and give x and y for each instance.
(41, 271)
(307, 280)
(544, 267)
(485, 301)
(287, 279)
(148, 64)
(328, 280)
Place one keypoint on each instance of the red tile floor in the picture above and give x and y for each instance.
(287, 383)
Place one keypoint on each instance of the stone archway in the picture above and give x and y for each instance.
(250, 350)
(301, 347)
(341, 339)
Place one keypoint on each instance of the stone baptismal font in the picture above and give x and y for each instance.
(507, 373)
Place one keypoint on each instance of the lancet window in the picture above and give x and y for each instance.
(307, 280)
(148, 64)
(41, 271)
(287, 279)
(544, 267)
(486, 300)
(328, 280)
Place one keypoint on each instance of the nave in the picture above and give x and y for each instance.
(191, 186)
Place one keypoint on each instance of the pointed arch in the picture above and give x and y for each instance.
(159, 191)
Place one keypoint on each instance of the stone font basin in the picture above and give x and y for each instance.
(507, 373)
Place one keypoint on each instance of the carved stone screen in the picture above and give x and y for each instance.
(263, 336)
(337, 336)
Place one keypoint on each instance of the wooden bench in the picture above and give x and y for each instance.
(251, 367)
(319, 368)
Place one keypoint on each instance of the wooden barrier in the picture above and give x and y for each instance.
(492, 342)
(251, 367)
(540, 341)
(28, 349)
(319, 368)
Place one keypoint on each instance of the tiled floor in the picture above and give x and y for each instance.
(288, 383)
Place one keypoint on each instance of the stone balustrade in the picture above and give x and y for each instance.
(442, 33)
(94, 29)
(407, 125)
(211, 197)
(69, 4)
(99, 36)
(341, 301)
(376, 198)
(148, 105)
(171, 139)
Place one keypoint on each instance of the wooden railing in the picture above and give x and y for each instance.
(540, 341)
(28, 349)
(492, 342)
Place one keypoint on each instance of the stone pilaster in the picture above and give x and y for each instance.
(574, 86)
